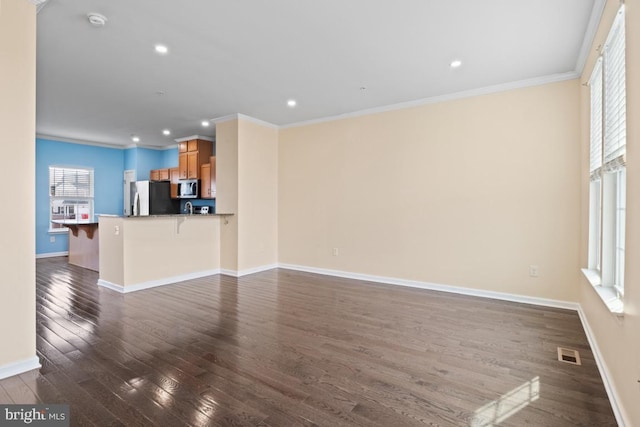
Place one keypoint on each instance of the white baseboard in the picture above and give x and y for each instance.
(602, 367)
(236, 273)
(438, 287)
(16, 368)
(52, 254)
(154, 283)
(604, 371)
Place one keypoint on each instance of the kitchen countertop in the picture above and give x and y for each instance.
(75, 222)
(180, 215)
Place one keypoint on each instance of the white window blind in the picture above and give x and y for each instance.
(615, 130)
(595, 157)
(70, 196)
(70, 182)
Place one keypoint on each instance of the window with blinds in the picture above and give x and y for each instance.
(607, 167)
(615, 108)
(70, 195)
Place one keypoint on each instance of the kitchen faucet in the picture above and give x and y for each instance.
(188, 207)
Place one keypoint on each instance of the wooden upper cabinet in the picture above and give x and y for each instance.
(193, 165)
(205, 181)
(193, 145)
(196, 153)
(174, 176)
(212, 162)
(182, 165)
(159, 175)
(208, 179)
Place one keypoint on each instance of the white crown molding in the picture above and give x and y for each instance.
(150, 147)
(77, 141)
(218, 120)
(590, 34)
(604, 371)
(189, 138)
(257, 121)
(537, 81)
(239, 116)
(101, 144)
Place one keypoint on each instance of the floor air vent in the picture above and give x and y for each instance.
(569, 356)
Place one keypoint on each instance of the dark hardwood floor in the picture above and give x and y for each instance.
(283, 348)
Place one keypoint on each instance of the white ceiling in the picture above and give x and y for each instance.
(102, 85)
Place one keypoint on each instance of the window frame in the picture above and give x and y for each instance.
(607, 169)
(69, 196)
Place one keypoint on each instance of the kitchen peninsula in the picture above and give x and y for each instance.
(83, 242)
(141, 252)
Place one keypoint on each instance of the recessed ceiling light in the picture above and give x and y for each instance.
(205, 123)
(456, 63)
(291, 103)
(97, 19)
(161, 49)
(135, 139)
(166, 132)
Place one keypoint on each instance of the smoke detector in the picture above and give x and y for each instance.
(96, 19)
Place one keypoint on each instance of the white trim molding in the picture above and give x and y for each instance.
(155, 283)
(52, 255)
(604, 371)
(16, 368)
(537, 81)
(568, 305)
(253, 270)
(239, 116)
(590, 34)
(189, 138)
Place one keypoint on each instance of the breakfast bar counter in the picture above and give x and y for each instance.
(147, 251)
(83, 242)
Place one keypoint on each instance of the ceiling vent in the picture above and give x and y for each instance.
(96, 19)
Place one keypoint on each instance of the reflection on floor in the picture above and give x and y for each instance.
(283, 348)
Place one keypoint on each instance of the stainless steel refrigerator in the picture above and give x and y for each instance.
(152, 198)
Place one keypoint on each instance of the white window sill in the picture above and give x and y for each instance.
(64, 230)
(607, 294)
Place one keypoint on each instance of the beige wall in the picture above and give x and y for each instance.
(147, 250)
(257, 196)
(227, 191)
(17, 124)
(464, 193)
(247, 177)
(618, 339)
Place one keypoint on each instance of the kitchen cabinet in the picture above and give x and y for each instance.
(159, 175)
(174, 176)
(192, 154)
(208, 179)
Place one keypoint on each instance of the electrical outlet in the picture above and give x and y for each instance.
(116, 230)
(336, 252)
(52, 239)
(533, 271)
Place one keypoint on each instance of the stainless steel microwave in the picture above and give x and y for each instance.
(188, 189)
